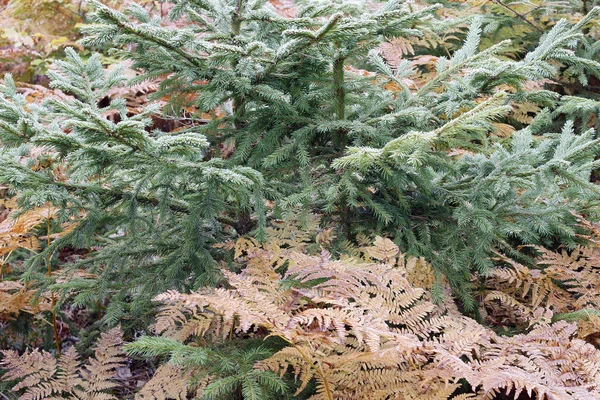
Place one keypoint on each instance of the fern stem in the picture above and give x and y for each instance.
(2, 263)
(317, 369)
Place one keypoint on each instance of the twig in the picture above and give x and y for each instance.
(52, 297)
(521, 16)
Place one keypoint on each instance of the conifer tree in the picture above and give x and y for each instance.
(149, 202)
(296, 103)
(375, 119)
(319, 117)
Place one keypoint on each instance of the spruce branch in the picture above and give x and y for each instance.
(303, 46)
(114, 194)
(119, 20)
(441, 77)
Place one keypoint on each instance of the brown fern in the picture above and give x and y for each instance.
(40, 376)
(16, 298)
(359, 330)
(168, 382)
(562, 286)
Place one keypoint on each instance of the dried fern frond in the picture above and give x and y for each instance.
(396, 49)
(15, 232)
(336, 315)
(563, 284)
(549, 361)
(296, 232)
(42, 377)
(357, 328)
(524, 112)
(16, 298)
(168, 382)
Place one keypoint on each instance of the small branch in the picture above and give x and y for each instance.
(322, 32)
(432, 83)
(52, 296)
(177, 207)
(236, 20)
(133, 30)
(521, 16)
(74, 13)
(173, 205)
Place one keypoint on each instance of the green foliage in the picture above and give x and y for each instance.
(148, 200)
(521, 193)
(313, 104)
(273, 113)
(228, 369)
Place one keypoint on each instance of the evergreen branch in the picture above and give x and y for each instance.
(320, 35)
(111, 15)
(486, 110)
(448, 72)
(176, 206)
